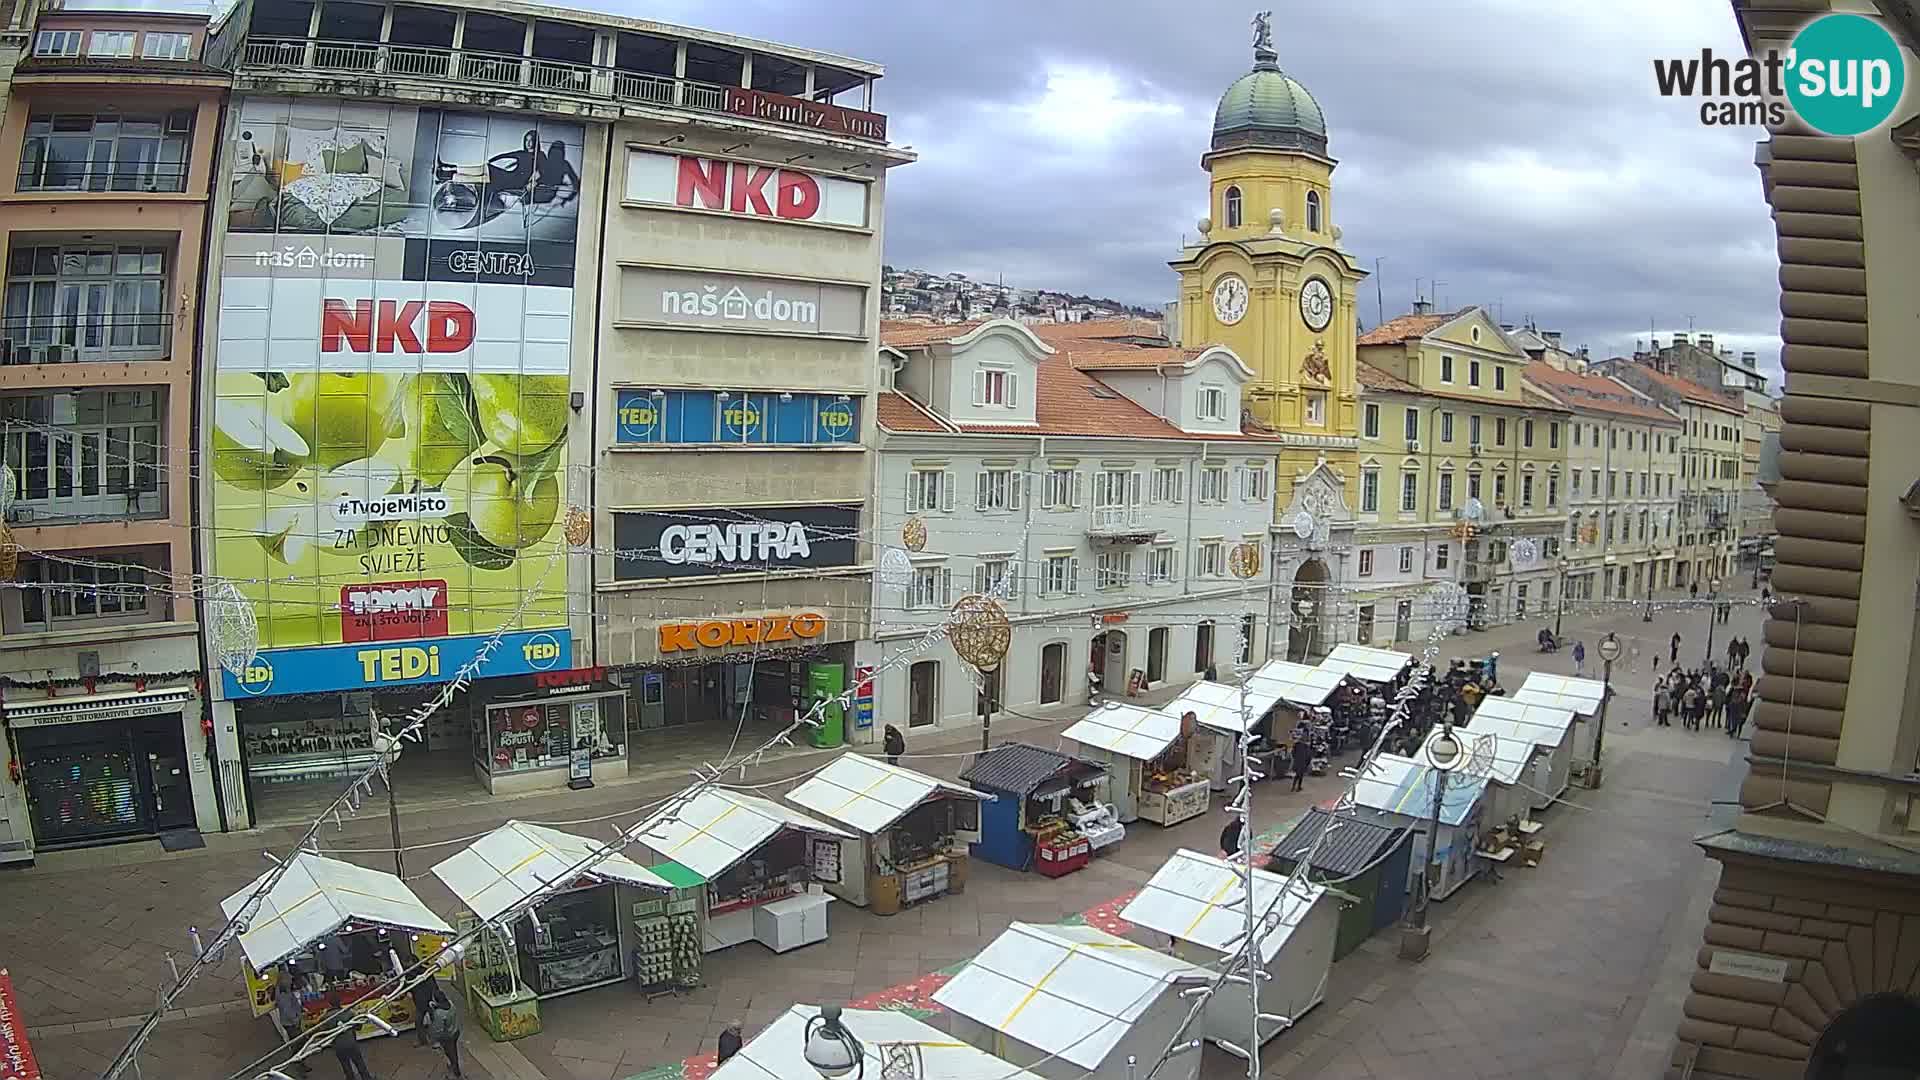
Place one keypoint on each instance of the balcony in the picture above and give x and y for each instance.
(1119, 525)
(596, 84)
(77, 338)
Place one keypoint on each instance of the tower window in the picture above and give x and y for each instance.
(1313, 211)
(1233, 208)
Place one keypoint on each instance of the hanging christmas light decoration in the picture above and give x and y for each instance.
(1244, 561)
(7, 489)
(579, 526)
(896, 568)
(914, 534)
(979, 631)
(232, 629)
(9, 551)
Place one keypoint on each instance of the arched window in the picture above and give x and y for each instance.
(1233, 208)
(1313, 211)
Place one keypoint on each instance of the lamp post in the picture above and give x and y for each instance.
(1443, 754)
(1609, 652)
(831, 1049)
(1713, 615)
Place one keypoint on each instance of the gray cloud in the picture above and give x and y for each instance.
(1518, 152)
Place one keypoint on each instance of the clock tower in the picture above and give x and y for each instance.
(1268, 278)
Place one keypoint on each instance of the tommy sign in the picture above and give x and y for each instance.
(660, 297)
(701, 541)
(744, 188)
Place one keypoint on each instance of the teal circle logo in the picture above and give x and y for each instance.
(1845, 74)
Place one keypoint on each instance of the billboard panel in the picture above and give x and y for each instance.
(389, 441)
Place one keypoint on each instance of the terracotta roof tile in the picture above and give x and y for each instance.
(1594, 392)
(1691, 391)
(1072, 402)
(1100, 356)
(907, 335)
(1051, 332)
(898, 412)
(1402, 327)
(1374, 379)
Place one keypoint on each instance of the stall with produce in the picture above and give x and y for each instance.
(910, 831)
(1399, 791)
(584, 935)
(333, 934)
(1075, 1003)
(1145, 751)
(1582, 698)
(1037, 796)
(763, 864)
(1197, 901)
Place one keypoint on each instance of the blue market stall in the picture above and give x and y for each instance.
(1029, 823)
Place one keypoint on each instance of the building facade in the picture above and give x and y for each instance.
(1270, 280)
(1621, 487)
(535, 362)
(1711, 443)
(106, 162)
(1098, 489)
(1806, 964)
(1463, 468)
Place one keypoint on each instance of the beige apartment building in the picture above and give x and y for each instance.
(1808, 964)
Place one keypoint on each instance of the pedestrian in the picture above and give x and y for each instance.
(1673, 651)
(1766, 595)
(1230, 836)
(1693, 591)
(1656, 666)
(422, 994)
(287, 1015)
(894, 744)
(1302, 759)
(1717, 705)
(1213, 673)
(1733, 652)
(1579, 656)
(1662, 703)
(1691, 702)
(730, 1041)
(346, 1047)
(1737, 707)
(443, 1027)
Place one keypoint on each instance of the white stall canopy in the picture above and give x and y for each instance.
(519, 859)
(1196, 898)
(778, 1051)
(1366, 663)
(718, 828)
(1295, 684)
(1542, 725)
(1506, 756)
(1562, 692)
(1403, 786)
(1216, 705)
(1070, 991)
(870, 795)
(316, 896)
(1127, 730)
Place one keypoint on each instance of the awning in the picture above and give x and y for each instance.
(1216, 705)
(317, 896)
(1365, 663)
(1505, 756)
(1189, 896)
(1543, 724)
(91, 707)
(870, 795)
(1298, 684)
(778, 1052)
(718, 828)
(1562, 692)
(1127, 730)
(1403, 786)
(518, 859)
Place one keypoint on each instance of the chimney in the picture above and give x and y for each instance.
(1706, 341)
(1679, 338)
(1750, 359)
(1553, 338)
(1423, 307)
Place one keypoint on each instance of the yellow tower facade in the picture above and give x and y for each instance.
(1268, 277)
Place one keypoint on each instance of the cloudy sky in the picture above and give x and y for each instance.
(1515, 151)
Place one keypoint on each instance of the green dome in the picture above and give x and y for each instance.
(1265, 107)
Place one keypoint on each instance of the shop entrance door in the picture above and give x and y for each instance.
(162, 755)
(923, 693)
(106, 780)
(1053, 673)
(1157, 655)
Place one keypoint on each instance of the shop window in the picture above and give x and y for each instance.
(527, 735)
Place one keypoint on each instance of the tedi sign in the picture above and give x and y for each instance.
(702, 541)
(1843, 75)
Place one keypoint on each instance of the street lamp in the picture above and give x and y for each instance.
(1609, 652)
(1713, 616)
(831, 1049)
(1443, 753)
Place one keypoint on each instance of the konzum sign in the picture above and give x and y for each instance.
(743, 188)
(725, 633)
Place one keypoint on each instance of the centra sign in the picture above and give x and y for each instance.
(762, 542)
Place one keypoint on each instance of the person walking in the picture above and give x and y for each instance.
(286, 1017)
(1766, 595)
(894, 744)
(346, 1047)
(1579, 657)
(1693, 591)
(443, 1027)
(730, 1042)
(1302, 758)
(1737, 707)
(1733, 652)
(1673, 651)
(1230, 837)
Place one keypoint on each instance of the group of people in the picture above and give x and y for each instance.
(437, 1023)
(1704, 698)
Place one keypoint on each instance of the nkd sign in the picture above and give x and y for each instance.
(747, 189)
(653, 296)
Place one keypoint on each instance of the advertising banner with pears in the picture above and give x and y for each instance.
(389, 436)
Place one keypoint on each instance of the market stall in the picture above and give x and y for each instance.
(1074, 1001)
(1366, 663)
(910, 830)
(1368, 860)
(1582, 698)
(777, 1051)
(1195, 900)
(583, 936)
(1145, 752)
(1038, 794)
(1549, 727)
(1401, 789)
(1507, 762)
(761, 862)
(334, 932)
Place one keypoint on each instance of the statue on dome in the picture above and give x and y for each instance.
(1263, 31)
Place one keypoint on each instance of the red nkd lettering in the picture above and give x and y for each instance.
(391, 326)
(750, 190)
(702, 184)
(797, 197)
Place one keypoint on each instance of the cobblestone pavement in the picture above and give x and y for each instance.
(1555, 971)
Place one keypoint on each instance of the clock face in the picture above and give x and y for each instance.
(1316, 304)
(1230, 299)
